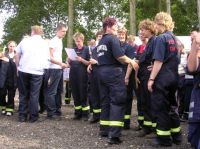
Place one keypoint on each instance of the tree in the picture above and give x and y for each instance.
(70, 23)
(132, 17)
(168, 4)
(198, 9)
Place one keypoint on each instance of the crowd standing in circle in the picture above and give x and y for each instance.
(104, 78)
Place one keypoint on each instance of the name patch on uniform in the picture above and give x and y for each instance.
(101, 50)
(172, 46)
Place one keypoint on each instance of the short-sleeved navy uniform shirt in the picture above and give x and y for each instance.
(109, 50)
(84, 53)
(146, 59)
(129, 51)
(94, 53)
(166, 51)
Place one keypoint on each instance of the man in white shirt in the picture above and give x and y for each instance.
(54, 85)
(31, 59)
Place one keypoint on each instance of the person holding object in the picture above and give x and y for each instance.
(78, 78)
(54, 76)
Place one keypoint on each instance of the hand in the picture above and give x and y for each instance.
(137, 81)
(5, 59)
(93, 61)
(89, 68)
(150, 85)
(63, 65)
(126, 80)
(134, 65)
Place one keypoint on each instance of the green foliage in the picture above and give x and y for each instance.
(88, 15)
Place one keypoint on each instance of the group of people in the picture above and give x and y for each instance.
(104, 78)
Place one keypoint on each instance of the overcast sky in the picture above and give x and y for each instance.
(3, 16)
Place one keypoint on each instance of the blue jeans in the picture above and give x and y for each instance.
(53, 90)
(29, 89)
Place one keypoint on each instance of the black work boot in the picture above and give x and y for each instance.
(114, 140)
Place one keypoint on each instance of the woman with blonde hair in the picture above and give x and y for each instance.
(163, 82)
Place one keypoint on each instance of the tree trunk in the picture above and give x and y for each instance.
(70, 24)
(132, 16)
(168, 4)
(198, 9)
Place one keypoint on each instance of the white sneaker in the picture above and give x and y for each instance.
(9, 113)
(3, 112)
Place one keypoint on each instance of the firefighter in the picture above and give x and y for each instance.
(78, 78)
(147, 30)
(130, 52)
(112, 84)
(163, 83)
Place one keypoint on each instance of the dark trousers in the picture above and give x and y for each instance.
(78, 82)
(67, 91)
(42, 97)
(164, 107)
(9, 104)
(94, 93)
(29, 89)
(53, 91)
(113, 100)
(140, 107)
(146, 100)
(129, 100)
(194, 134)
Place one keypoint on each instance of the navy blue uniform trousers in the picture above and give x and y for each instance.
(94, 92)
(78, 82)
(113, 99)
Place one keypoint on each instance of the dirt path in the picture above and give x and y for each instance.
(68, 134)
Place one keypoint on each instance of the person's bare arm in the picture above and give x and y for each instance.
(53, 60)
(125, 59)
(82, 60)
(128, 73)
(193, 60)
(155, 70)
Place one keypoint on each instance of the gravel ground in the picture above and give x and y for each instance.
(69, 134)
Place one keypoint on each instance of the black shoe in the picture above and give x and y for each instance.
(55, 118)
(114, 140)
(137, 128)
(67, 102)
(103, 134)
(33, 120)
(143, 133)
(156, 143)
(94, 120)
(177, 138)
(126, 127)
(85, 118)
(22, 119)
(77, 117)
